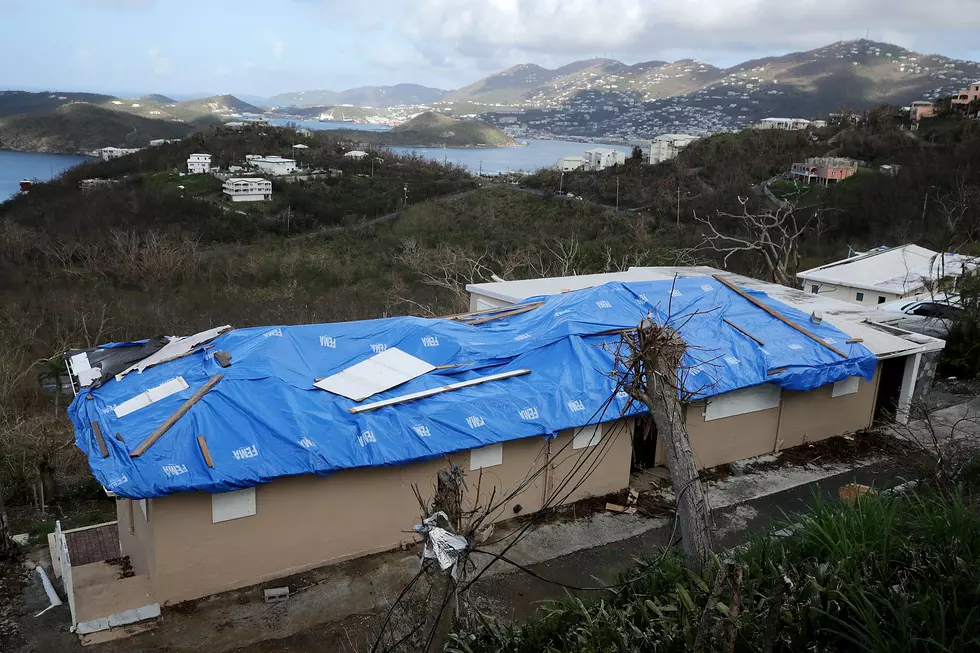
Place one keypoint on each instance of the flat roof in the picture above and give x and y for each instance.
(872, 326)
(898, 270)
(236, 179)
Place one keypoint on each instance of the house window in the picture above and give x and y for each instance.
(489, 456)
(848, 386)
(859, 297)
(587, 436)
(814, 289)
(232, 505)
(881, 300)
(740, 402)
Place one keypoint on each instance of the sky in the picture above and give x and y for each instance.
(187, 48)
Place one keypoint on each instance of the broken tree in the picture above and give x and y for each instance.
(656, 363)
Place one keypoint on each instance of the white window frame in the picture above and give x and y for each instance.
(587, 436)
(488, 456)
(844, 387)
(743, 401)
(858, 296)
(237, 504)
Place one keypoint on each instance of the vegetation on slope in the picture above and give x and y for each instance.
(432, 129)
(80, 128)
(17, 102)
(884, 574)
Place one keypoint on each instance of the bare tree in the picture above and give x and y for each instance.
(775, 235)
(654, 358)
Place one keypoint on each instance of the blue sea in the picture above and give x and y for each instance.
(15, 166)
(491, 160)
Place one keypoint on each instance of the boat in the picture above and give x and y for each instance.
(26, 185)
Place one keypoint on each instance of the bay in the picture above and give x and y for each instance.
(41, 166)
(490, 160)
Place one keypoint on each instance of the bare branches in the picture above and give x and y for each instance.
(772, 235)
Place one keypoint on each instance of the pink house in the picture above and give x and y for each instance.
(824, 170)
(967, 95)
(921, 109)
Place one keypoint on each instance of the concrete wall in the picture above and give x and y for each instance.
(801, 417)
(306, 522)
(136, 537)
(847, 294)
(482, 302)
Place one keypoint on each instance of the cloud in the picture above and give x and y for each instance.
(123, 5)
(559, 30)
(160, 64)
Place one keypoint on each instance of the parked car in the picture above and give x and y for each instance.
(930, 315)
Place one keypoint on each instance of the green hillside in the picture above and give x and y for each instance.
(18, 102)
(432, 129)
(79, 128)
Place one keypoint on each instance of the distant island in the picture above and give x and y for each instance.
(79, 128)
(432, 129)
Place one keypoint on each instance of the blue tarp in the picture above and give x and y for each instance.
(265, 419)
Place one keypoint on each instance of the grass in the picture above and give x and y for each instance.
(888, 573)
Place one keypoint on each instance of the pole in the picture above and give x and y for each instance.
(561, 182)
(617, 193)
(481, 167)
(678, 206)
(442, 599)
(405, 202)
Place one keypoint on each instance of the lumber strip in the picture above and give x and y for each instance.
(742, 331)
(436, 391)
(488, 311)
(205, 451)
(170, 421)
(104, 450)
(516, 311)
(855, 340)
(782, 318)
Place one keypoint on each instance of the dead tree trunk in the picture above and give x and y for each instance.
(442, 597)
(657, 366)
(7, 545)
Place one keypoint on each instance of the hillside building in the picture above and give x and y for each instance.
(248, 189)
(666, 146)
(355, 154)
(783, 123)
(569, 163)
(967, 95)
(109, 153)
(885, 274)
(274, 165)
(921, 109)
(198, 164)
(824, 170)
(238, 491)
(600, 158)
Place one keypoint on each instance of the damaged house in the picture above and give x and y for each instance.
(240, 456)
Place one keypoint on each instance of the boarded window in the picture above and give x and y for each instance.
(740, 402)
(846, 386)
(489, 456)
(144, 508)
(587, 436)
(232, 505)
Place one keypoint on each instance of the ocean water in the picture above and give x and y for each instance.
(491, 160)
(15, 166)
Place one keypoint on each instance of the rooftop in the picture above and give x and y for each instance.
(898, 270)
(546, 368)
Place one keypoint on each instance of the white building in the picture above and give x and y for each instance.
(600, 158)
(569, 163)
(199, 164)
(884, 275)
(156, 142)
(356, 154)
(248, 189)
(783, 123)
(274, 165)
(107, 153)
(666, 146)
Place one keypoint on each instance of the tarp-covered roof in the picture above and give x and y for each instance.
(265, 418)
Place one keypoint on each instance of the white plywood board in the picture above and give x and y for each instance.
(175, 348)
(232, 505)
(489, 456)
(587, 436)
(144, 399)
(740, 402)
(381, 372)
(848, 386)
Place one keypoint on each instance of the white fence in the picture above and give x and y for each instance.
(63, 560)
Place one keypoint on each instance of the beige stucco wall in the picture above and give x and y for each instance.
(306, 522)
(136, 538)
(801, 417)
